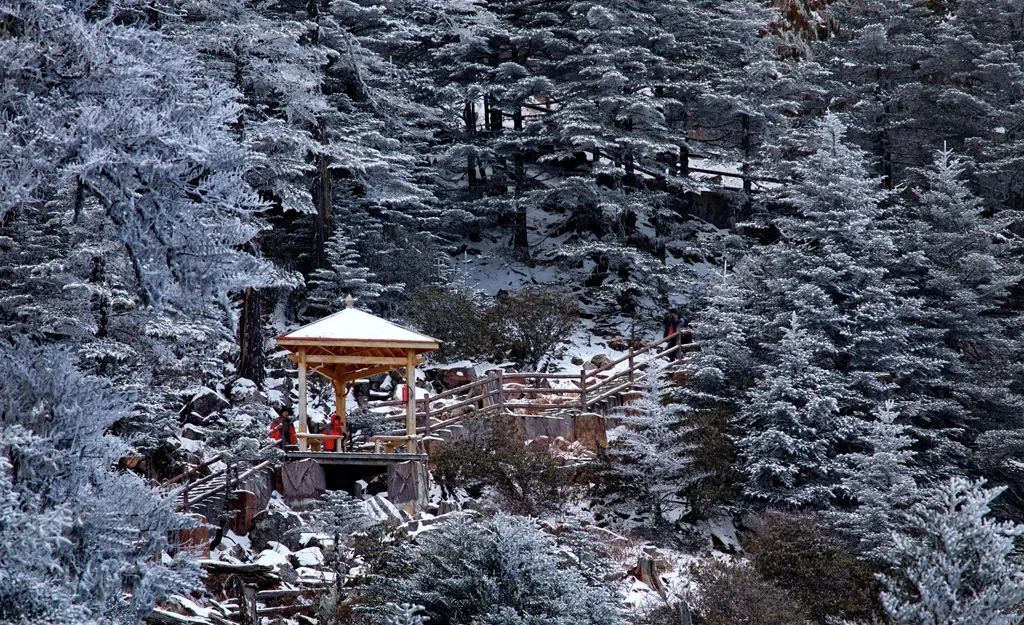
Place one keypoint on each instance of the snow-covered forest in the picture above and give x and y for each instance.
(829, 192)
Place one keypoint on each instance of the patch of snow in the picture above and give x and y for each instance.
(310, 556)
(271, 557)
(724, 529)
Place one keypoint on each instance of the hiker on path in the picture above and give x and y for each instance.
(673, 327)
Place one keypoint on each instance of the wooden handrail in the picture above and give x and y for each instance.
(231, 483)
(591, 388)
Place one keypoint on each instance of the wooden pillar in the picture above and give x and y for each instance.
(410, 404)
(340, 397)
(303, 423)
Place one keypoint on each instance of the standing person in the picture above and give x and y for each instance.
(282, 429)
(335, 428)
(673, 324)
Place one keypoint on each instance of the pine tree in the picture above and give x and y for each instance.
(954, 564)
(882, 479)
(343, 276)
(791, 424)
(727, 327)
(962, 263)
(72, 551)
(651, 454)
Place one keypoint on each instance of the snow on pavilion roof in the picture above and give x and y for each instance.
(355, 326)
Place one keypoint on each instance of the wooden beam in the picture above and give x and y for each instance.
(363, 373)
(357, 360)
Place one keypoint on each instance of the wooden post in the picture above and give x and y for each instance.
(303, 424)
(410, 404)
(340, 407)
(583, 390)
(426, 412)
(631, 364)
(501, 391)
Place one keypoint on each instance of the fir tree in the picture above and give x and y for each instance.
(651, 454)
(343, 276)
(882, 481)
(83, 556)
(503, 570)
(954, 564)
(791, 423)
(962, 262)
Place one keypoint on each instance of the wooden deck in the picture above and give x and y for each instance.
(360, 458)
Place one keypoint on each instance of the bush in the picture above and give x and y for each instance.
(793, 551)
(714, 456)
(523, 327)
(457, 317)
(494, 457)
(500, 570)
(736, 594)
(529, 324)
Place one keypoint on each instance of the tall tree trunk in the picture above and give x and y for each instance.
(322, 197)
(252, 360)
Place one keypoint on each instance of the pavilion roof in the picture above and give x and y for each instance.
(352, 327)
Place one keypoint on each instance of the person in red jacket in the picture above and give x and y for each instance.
(282, 429)
(335, 428)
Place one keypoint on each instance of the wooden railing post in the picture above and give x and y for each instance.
(631, 364)
(426, 413)
(184, 500)
(501, 391)
(583, 390)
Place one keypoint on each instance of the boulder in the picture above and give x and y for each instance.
(590, 431)
(599, 360)
(198, 537)
(381, 509)
(247, 506)
(203, 404)
(577, 360)
(304, 479)
(243, 389)
(407, 486)
(650, 566)
(618, 343)
(448, 379)
(541, 443)
(275, 524)
(193, 432)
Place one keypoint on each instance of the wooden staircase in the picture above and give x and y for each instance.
(208, 493)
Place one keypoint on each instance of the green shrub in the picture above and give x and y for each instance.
(527, 481)
(528, 325)
(457, 317)
(794, 552)
(714, 455)
(736, 594)
(523, 327)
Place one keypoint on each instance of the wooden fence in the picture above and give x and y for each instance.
(590, 389)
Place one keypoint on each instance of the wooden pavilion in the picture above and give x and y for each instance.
(350, 345)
